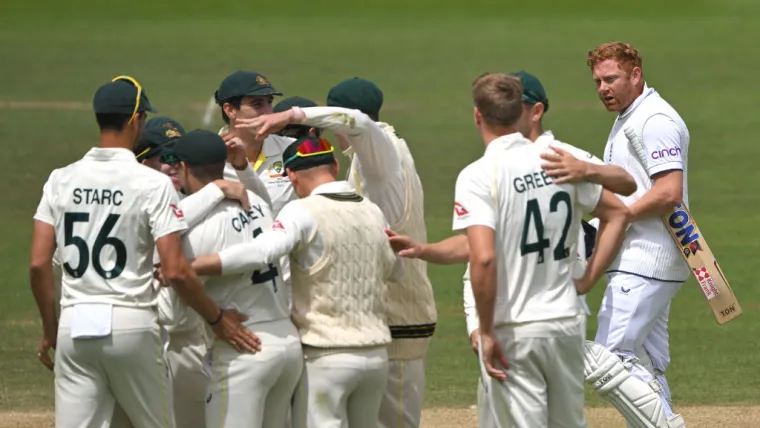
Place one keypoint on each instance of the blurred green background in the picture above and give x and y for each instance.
(424, 54)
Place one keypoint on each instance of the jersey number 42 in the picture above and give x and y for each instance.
(533, 211)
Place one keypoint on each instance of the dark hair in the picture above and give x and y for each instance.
(298, 131)
(113, 121)
(234, 102)
(207, 173)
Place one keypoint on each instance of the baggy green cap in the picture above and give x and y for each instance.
(244, 83)
(533, 90)
(159, 135)
(120, 96)
(357, 93)
(200, 147)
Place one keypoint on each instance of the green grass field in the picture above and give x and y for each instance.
(700, 55)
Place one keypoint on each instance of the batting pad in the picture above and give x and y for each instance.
(639, 404)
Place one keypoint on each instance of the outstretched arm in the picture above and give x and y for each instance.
(452, 250)
(576, 165)
(291, 228)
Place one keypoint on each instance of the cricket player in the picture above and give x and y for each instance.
(340, 261)
(649, 271)
(522, 230)
(186, 348)
(246, 95)
(105, 213)
(245, 390)
(382, 167)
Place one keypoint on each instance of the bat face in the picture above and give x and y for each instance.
(718, 293)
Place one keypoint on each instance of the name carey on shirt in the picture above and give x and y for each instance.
(245, 218)
(532, 181)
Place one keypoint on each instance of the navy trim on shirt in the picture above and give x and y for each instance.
(646, 277)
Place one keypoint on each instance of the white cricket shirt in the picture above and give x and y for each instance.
(259, 294)
(648, 249)
(292, 228)
(545, 140)
(269, 168)
(374, 156)
(537, 225)
(108, 210)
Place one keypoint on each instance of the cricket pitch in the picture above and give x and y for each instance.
(447, 417)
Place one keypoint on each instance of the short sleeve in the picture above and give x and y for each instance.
(474, 205)
(45, 212)
(588, 195)
(662, 142)
(296, 223)
(165, 215)
(577, 153)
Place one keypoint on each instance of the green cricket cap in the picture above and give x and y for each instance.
(357, 93)
(289, 103)
(307, 152)
(242, 84)
(533, 90)
(200, 147)
(158, 137)
(120, 97)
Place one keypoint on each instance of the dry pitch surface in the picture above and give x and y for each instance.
(696, 417)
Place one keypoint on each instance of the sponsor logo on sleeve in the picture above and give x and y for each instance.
(277, 225)
(460, 211)
(660, 153)
(177, 211)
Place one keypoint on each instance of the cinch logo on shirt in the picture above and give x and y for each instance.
(659, 154)
(177, 211)
(459, 210)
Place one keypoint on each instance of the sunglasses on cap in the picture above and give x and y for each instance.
(169, 158)
(311, 147)
(133, 81)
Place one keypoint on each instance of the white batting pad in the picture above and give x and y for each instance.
(639, 404)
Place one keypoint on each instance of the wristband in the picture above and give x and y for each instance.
(219, 318)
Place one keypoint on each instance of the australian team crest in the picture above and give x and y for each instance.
(276, 169)
(262, 81)
(173, 133)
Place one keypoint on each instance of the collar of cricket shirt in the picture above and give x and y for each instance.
(107, 154)
(507, 141)
(647, 92)
(334, 187)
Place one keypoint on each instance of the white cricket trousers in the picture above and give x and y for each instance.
(254, 390)
(341, 389)
(404, 394)
(128, 367)
(544, 386)
(633, 322)
(185, 352)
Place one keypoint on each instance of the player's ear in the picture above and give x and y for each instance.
(636, 75)
(537, 112)
(229, 110)
(478, 116)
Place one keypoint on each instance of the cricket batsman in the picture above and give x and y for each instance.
(649, 271)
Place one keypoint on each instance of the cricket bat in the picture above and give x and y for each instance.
(687, 236)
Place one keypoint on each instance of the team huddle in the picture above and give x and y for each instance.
(231, 279)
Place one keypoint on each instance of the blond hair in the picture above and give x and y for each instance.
(498, 98)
